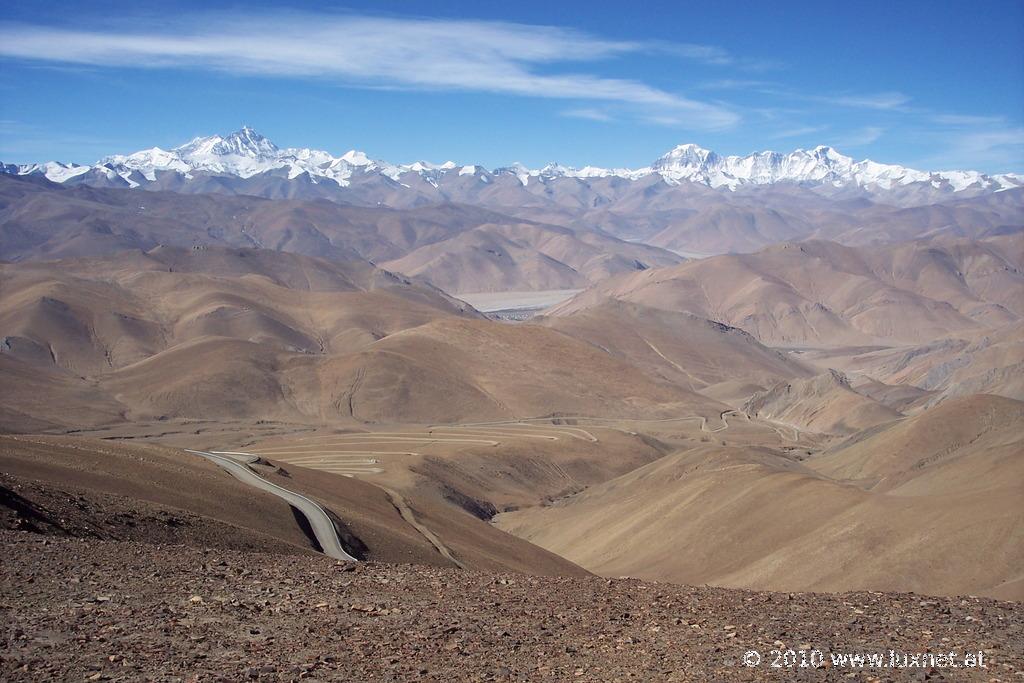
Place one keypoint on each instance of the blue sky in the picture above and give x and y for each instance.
(931, 85)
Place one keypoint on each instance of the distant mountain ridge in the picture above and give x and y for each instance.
(247, 154)
(689, 201)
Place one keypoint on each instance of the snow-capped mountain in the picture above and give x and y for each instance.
(246, 154)
(821, 165)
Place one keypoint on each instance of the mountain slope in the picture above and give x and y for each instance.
(747, 517)
(678, 347)
(821, 293)
(42, 220)
(94, 315)
(525, 256)
(941, 440)
(486, 370)
(62, 486)
(825, 404)
(196, 332)
(243, 334)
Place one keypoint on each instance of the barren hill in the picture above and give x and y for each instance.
(825, 404)
(679, 347)
(91, 315)
(487, 370)
(259, 334)
(39, 219)
(986, 361)
(821, 293)
(62, 486)
(753, 518)
(480, 260)
(526, 256)
(981, 431)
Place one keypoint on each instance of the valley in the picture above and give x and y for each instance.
(747, 382)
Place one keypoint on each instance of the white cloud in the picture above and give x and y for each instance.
(495, 57)
(22, 142)
(968, 120)
(885, 101)
(796, 132)
(995, 148)
(859, 138)
(992, 143)
(587, 113)
(707, 54)
(737, 84)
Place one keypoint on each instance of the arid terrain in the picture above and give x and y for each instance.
(77, 609)
(250, 431)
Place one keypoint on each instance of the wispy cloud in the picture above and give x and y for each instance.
(990, 147)
(712, 55)
(28, 142)
(859, 138)
(796, 132)
(737, 84)
(478, 56)
(993, 143)
(708, 54)
(968, 120)
(588, 113)
(885, 100)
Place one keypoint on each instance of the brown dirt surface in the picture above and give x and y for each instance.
(826, 404)
(895, 508)
(823, 294)
(96, 610)
(139, 481)
(65, 486)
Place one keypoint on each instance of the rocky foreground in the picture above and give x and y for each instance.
(77, 609)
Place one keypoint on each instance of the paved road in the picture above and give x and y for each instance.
(323, 527)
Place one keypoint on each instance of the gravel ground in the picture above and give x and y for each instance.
(82, 609)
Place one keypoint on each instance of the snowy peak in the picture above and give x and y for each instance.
(53, 170)
(686, 156)
(356, 158)
(243, 143)
(247, 142)
(246, 153)
(690, 162)
(821, 166)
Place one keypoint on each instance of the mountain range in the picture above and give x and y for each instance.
(615, 430)
(248, 155)
(469, 229)
(853, 363)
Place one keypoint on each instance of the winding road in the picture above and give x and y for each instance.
(606, 421)
(319, 521)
